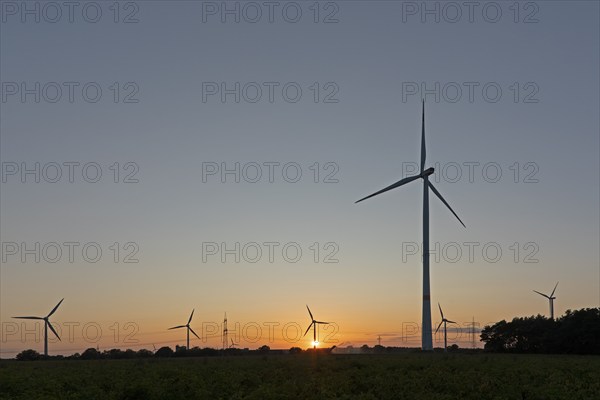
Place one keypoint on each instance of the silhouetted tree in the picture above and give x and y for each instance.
(143, 353)
(379, 349)
(28, 355)
(130, 354)
(295, 350)
(114, 354)
(263, 349)
(579, 332)
(575, 332)
(164, 352)
(90, 354)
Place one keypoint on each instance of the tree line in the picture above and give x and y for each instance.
(576, 332)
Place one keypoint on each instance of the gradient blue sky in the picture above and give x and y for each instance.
(368, 134)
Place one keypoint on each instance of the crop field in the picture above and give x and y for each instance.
(308, 376)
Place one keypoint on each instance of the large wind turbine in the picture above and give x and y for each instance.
(426, 342)
(550, 299)
(444, 321)
(314, 323)
(46, 325)
(189, 328)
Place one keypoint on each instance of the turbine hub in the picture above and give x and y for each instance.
(428, 171)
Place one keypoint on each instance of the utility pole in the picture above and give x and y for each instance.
(225, 341)
(473, 341)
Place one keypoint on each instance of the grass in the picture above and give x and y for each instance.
(306, 376)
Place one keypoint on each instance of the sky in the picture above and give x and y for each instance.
(164, 156)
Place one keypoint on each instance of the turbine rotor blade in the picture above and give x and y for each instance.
(321, 322)
(308, 329)
(441, 312)
(52, 329)
(438, 328)
(392, 186)
(190, 328)
(178, 326)
(444, 201)
(423, 152)
(450, 322)
(311, 316)
(28, 317)
(554, 289)
(54, 309)
(541, 294)
(191, 315)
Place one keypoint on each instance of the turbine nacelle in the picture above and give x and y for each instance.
(427, 172)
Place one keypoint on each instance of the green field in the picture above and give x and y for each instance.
(307, 376)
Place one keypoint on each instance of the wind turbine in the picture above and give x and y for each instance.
(426, 342)
(232, 344)
(444, 321)
(46, 325)
(314, 323)
(189, 328)
(550, 299)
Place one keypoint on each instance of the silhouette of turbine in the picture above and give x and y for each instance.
(189, 328)
(313, 324)
(550, 299)
(444, 321)
(47, 325)
(426, 342)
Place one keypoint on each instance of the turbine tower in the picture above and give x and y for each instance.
(444, 321)
(189, 328)
(47, 325)
(550, 299)
(426, 342)
(313, 324)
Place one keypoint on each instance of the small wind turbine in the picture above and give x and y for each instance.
(232, 344)
(426, 343)
(550, 299)
(314, 323)
(189, 328)
(46, 325)
(444, 321)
